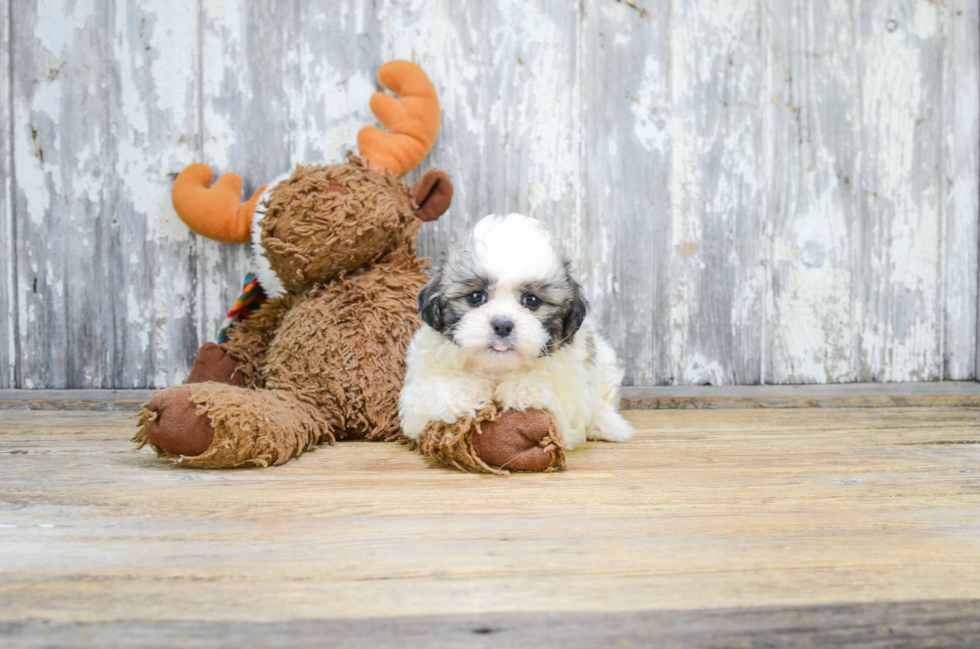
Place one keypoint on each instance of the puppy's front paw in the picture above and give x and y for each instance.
(519, 395)
(519, 441)
(611, 427)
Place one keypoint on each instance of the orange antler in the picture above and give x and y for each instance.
(214, 212)
(412, 119)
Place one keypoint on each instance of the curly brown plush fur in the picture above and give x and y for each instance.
(326, 220)
(248, 427)
(326, 361)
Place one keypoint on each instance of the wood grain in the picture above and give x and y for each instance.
(812, 212)
(243, 127)
(899, 94)
(705, 509)
(896, 625)
(626, 253)
(146, 330)
(130, 400)
(752, 191)
(961, 202)
(103, 109)
(8, 310)
(853, 395)
(949, 394)
(717, 77)
(59, 117)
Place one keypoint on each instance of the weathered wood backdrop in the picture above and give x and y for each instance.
(776, 191)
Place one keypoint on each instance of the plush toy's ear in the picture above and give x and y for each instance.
(432, 194)
(412, 120)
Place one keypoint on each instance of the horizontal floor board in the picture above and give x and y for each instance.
(843, 395)
(895, 625)
(704, 509)
(847, 395)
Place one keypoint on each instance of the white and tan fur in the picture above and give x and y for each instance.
(465, 357)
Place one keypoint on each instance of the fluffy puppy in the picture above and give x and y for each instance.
(506, 327)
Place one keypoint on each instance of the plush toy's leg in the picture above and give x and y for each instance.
(496, 443)
(213, 364)
(213, 425)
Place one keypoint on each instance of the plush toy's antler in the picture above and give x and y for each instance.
(214, 212)
(412, 119)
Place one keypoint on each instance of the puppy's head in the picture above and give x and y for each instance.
(505, 295)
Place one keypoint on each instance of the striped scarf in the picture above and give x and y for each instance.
(248, 302)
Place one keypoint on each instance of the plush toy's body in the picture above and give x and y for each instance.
(338, 345)
(323, 358)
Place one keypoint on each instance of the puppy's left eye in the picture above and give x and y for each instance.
(476, 298)
(531, 302)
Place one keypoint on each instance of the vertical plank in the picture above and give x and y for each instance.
(511, 137)
(625, 251)
(899, 249)
(283, 83)
(813, 117)
(961, 123)
(103, 93)
(511, 78)
(150, 267)
(60, 121)
(451, 42)
(717, 221)
(247, 70)
(8, 311)
(338, 54)
(244, 126)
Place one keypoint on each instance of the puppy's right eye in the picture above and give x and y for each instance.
(476, 298)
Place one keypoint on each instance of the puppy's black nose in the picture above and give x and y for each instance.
(502, 327)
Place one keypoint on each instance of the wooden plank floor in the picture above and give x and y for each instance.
(954, 394)
(712, 524)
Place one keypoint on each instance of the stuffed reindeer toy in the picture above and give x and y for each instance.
(322, 358)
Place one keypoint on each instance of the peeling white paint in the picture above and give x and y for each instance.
(60, 23)
(651, 126)
(815, 158)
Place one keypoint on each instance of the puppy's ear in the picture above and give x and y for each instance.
(430, 304)
(575, 315)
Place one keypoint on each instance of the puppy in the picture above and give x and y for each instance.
(506, 324)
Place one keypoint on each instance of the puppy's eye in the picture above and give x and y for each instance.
(476, 298)
(531, 302)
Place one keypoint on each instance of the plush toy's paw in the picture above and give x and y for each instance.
(517, 441)
(486, 442)
(173, 424)
(213, 364)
